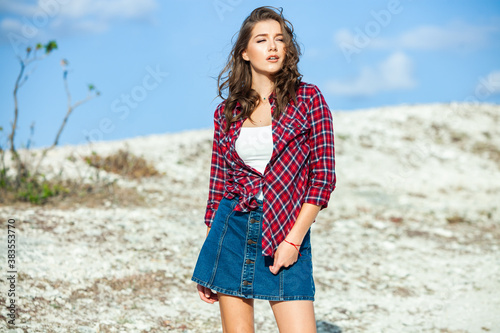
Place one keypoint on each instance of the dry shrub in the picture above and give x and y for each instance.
(123, 163)
(457, 136)
(489, 149)
(456, 219)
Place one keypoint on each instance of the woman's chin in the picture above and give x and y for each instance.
(268, 71)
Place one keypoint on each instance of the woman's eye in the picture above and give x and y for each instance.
(280, 39)
(262, 40)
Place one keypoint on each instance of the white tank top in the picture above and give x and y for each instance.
(255, 146)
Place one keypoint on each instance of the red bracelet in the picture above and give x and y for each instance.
(295, 246)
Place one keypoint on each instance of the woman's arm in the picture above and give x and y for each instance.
(218, 170)
(286, 254)
(304, 221)
(321, 179)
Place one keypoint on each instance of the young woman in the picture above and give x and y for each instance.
(272, 171)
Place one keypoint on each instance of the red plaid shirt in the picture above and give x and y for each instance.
(301, 169)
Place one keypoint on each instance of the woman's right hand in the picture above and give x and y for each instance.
(207, 295)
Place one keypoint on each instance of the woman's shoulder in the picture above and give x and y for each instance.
(306, 85)
(307, 90)
(219, 110)
(308, 93)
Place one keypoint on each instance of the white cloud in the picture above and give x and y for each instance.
(455, 34)
(344, 36)
(16, 7)
(489, 85)
(123, 9)
(9, 24)
(63, 17)
(394, 73)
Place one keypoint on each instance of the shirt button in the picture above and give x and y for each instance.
(248, 261)
(253, 221)
(250, 242)
(246, 283)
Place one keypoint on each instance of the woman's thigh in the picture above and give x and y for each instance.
(236, 313)
(294, 316)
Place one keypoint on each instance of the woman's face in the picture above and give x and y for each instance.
(266, 48)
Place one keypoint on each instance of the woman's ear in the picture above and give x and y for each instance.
(244, 55)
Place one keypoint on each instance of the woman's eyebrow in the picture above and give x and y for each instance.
(261, 35)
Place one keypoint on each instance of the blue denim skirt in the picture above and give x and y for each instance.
(231, 260)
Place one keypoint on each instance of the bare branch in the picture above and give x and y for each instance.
(25, 78)
(21, 79)
(16, 107)
(71, 108)
(66, 88)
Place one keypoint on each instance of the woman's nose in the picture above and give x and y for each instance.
(272, 45)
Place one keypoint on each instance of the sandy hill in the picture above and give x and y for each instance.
(409, 243)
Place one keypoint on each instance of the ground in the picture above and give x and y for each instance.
(410, 241)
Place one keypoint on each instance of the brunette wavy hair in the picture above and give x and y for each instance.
(236, 77)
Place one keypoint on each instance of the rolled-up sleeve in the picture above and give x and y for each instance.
(218, 170)
(322, 177)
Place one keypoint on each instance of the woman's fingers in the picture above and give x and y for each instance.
(276, 263)
(283, 257)
(275, 267)
(207, 295)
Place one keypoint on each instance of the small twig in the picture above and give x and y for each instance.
(32, 131)
(71, 108)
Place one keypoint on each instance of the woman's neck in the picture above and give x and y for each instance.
(263, 85)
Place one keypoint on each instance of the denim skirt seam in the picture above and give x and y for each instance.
(218, 289)
(245, 251)
(282, 283)
(219, 249)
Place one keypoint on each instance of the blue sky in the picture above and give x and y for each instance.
(155, 62)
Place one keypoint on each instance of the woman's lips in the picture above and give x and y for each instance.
(273, 58)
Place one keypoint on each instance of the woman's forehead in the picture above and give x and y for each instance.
(268, 27)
